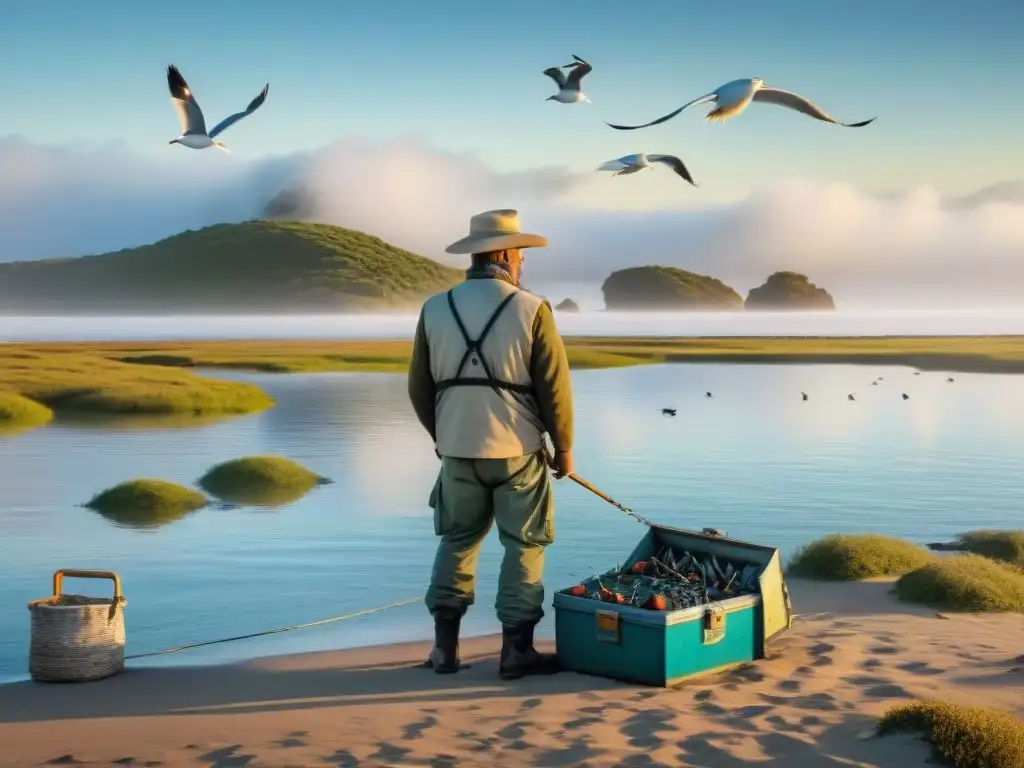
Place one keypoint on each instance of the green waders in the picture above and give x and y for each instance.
(468, 498)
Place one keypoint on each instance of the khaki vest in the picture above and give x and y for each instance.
(484, 421)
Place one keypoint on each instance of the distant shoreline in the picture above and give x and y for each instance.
(963, 354)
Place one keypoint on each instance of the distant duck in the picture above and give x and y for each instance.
(906, 396)
(874, 383)
(803, 395)
(850, 397)
(707, 395)
(669, 411)
(569, 86)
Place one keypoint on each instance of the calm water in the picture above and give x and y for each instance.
(586, 323)
(755, 460)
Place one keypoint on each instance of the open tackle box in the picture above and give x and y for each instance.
(683, 604)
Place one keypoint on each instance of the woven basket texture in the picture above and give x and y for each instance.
(76, 638)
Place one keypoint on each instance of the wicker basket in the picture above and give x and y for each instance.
(76, 638)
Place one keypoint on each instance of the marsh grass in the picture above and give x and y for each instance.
(146, 503)
(167, 377)
(982, 354)
(962, 737)
(268, 481)
(849, 557)
(82, 382)
(964, 583)
(19, 413)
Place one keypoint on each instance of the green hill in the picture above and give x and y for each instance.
(660, 288)
(265, 266)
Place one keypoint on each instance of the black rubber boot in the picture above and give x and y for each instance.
(444, 657)
(518, 656)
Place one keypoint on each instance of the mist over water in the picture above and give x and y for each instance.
(585, 323)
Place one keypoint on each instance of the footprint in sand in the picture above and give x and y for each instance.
(921, 668)
(513, 731)
(530, 703)
(342, 758)
(414, 731)
(789, 685)
(884, 650)
(642, 728)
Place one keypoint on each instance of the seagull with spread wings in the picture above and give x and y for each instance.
(569, 86)
(193, 124)
(634, 163)
(735, 96)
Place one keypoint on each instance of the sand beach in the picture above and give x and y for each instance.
(852, 652)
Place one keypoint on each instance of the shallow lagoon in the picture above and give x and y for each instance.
(755, 460)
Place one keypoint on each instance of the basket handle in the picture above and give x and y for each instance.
(58, 579)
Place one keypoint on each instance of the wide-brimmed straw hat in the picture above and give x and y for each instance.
(495, 231)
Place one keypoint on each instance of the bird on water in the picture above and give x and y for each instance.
(193, 125)
(634, 163)
(735, 96)
(569, 86)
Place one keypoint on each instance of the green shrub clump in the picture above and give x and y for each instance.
(964, 583)
(963, 737)
(849, 557)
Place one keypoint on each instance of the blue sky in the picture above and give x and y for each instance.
(466, 77)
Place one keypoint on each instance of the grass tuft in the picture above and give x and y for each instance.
(962, 737)
(260, 481)
(19, 413)
(146, 503)
(964, 583)
(848, 557)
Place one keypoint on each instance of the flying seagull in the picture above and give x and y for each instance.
(850, 397)
(906, 396)
(669, 411)
(193, 125)
(633, 163)
(569, 87)
(734, 97)
(803, 395)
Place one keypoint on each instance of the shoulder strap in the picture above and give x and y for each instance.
(474, 347)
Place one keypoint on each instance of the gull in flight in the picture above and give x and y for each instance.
(734, 97)
(193, 124)
(634, 163)
(569, 87)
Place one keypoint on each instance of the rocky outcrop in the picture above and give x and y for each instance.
(667, 288)
(789, 290)
(567, 305)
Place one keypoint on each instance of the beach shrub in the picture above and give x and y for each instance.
(962, 737)
(260, 480)
(1007, 546)
(18, 413)
(852, 556)
(964, 583)
(146, 503)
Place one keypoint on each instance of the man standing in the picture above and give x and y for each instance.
(488, 378)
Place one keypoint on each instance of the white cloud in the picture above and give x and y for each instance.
(912, 249)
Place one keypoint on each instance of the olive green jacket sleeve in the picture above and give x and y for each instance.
(422, 389)
(549, 370)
